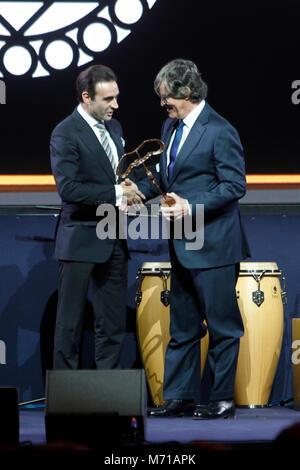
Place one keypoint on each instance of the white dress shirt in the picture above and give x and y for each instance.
(189, 121)
(92, 122)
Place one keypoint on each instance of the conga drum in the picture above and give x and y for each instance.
(296, 362)
(153, 321)
(261, 302)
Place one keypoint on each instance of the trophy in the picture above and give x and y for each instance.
(140, 160)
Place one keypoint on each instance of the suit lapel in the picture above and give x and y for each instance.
(166, 139)
(119, 146)
(116, 138)
(191, 141)
(94, 146)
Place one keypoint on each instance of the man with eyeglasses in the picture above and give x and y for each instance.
(203, 163)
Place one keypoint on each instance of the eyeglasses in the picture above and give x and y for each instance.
(164, 98)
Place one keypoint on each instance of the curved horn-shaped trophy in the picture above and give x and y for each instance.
(141, 161)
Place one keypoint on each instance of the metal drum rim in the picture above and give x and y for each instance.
(252, 406)
(154, 270)
(265, 271)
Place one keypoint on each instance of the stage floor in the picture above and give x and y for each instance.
(252, 428)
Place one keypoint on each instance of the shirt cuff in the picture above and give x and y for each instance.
(189, 207)
(119, 194)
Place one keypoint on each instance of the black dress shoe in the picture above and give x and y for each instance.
(215, 410)
(176, 407)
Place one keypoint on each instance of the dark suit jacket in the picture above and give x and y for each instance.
(209, 170)
(84, 179)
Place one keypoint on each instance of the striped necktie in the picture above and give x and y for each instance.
(106, 146)
(175, 146)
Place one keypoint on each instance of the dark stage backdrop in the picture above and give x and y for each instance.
(247, 52)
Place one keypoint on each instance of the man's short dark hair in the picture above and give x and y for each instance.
(88, 78)
(179, 76)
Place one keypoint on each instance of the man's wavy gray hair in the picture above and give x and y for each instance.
(182, 79)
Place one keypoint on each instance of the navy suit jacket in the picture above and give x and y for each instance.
(84, 179)
(209, 170)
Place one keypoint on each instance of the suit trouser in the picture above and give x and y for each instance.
(109, 284)
(197, 295)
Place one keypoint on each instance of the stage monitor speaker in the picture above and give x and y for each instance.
(9, 417)
(95, 406)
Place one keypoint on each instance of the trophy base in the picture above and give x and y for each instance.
(167, 200)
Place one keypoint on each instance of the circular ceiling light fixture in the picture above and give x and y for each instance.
(129, 15)
(39, 37)
(96, 37)
(17, 60)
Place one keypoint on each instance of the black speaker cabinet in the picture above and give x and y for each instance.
(9, 416)
(95, 406)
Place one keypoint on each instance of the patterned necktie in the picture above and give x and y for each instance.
(106, 146)
(174, 148)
